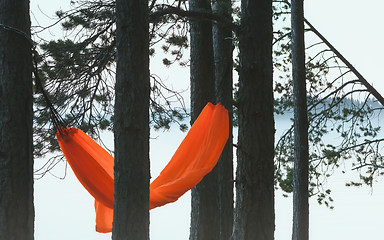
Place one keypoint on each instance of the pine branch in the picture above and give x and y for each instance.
(154, 16)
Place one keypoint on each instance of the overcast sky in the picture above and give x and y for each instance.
(64, 210)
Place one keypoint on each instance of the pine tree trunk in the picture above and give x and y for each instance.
(254, 211)
(222, 46)
(300, 229)
(16, 145)
(131, 126)
(204, 212)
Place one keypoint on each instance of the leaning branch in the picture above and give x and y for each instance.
(363, 81)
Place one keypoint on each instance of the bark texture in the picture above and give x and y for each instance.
(300, 227)
(205, 209)
(222, 47)
(131, 127)
(254, 209)
(16, 153)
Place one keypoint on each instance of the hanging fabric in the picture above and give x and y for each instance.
(196, 156)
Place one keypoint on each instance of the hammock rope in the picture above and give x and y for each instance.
(58, 122)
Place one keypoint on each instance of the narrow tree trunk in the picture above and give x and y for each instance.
(131, 126)
(205, 210)
(16, 153)
(300, 173)
(222, 46)
(254, 212)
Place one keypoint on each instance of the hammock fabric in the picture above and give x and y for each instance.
(196, 156)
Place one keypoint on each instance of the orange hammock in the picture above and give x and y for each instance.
(195, 157)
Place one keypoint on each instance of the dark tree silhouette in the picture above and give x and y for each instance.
(131, 126)
(204, 208)
(254, 209)
(300, 229)
(16, 154)
(222, 48)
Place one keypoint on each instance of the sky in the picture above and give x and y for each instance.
(353, 27)
(64, 209)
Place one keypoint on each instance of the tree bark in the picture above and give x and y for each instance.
(204, 206)
(131, 126)
(222, 47)
(254, 208)
(300, 228)
(16, 145)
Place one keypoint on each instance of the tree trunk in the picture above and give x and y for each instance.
(131, 126)
(205, 209)
(254, 212)
(222, 47)
(16, 145)
(301, 159)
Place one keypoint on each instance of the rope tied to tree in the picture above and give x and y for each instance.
(56, 118)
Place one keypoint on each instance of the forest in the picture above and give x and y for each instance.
(260, 60)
